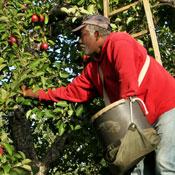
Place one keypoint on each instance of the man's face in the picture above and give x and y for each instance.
(88, 43)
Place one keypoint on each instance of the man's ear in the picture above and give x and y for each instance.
(97, 35)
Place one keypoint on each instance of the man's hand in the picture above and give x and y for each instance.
(27, 92)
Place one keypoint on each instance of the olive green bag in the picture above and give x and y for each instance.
(134, 146)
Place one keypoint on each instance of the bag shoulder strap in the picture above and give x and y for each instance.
(105, 96)
(143, 70)
(140, 78)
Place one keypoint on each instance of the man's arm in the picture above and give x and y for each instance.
(79, 90)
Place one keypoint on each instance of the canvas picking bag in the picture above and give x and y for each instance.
(125, 133)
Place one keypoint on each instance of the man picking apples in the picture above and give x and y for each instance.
(121, 59)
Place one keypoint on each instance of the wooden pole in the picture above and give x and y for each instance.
(152, 30)
(123, 8)
(106, 8)
(138, 34)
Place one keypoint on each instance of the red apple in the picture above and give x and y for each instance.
(41, 18)
(44, 46)
(35, 18)
(85, 57)
(1, 151)
(12, 40)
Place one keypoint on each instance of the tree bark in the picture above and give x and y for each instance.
(22, 137)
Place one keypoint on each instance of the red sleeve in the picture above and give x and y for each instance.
(79, 90)
(124, 60)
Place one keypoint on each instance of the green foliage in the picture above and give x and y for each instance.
(14, 162)
(167, 46)
(23, 62)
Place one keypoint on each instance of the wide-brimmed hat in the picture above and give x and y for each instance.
(97, 20)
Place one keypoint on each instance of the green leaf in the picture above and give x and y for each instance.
(1, 60)
(26, 161)
(17, 155)
(2, 66)
(63, 74)
(37, 28)
(9, 148)
(77, 127)
(141, 42)
(3, 28)
(4, 19)
(16, 32)
(48, 113)
(51, 42)
(129, 20)
(91, 9)
(80, 2)
(6, 168)
(46, 19)
(28, 114)
(21, 15)
(43, 80)
(20, 171)
(117, 20)
(58, 110)
(82, 10)
(61, 128)
(27, 2)
(72, 127)
(35, 63)
(22, 154)
(62, 104)
(74, 19)
(27, 167)
(4, 94)
(5, 36)
(79, 111)
(113, 26)
(18, 164)
(64, 9)
(39, 73)
(70, 112)
(4, 137)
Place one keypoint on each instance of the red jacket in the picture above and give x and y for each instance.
(121, 60)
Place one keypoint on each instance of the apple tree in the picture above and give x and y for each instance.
(38, 49)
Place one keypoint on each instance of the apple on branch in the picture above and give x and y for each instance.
(12, 40)
(35, 18)
(1, 151)
(44, 46)
(41, 18)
